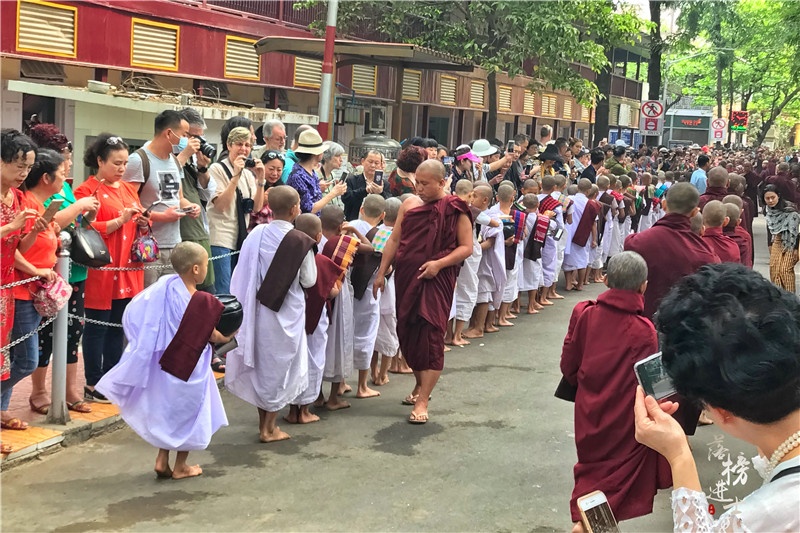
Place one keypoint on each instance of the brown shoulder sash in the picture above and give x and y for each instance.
(283, 269)
(198, 323)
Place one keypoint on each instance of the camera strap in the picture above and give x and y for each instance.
(241, 230)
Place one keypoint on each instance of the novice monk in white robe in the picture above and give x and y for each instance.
(530, 274)
(172, 413)
(502, 209)
(325, 289)
(269, 368)
(491, 270)
(341, 249)
(366, 308)
(387, 343)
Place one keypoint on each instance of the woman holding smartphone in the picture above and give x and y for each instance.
(109, 292)
(49, 136)
(730, 341)
(45, 179)
(331, 161)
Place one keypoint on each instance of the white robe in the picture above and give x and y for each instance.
(467, 284)
(366, 316)
(608, 228)
(269, 368)
(387, 343)
(510, 288)
(576, 257)
(339, 350)
(167, 412)
(492, 268)
(530, 275)
(317, 342)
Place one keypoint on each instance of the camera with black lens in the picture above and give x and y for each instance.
(247, 205)
(206, 149)
(249, 163)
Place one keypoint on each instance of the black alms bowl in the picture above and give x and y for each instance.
(232, 316)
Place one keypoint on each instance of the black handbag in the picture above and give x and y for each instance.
(88, 247)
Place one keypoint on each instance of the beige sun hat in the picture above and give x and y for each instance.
(310, 142)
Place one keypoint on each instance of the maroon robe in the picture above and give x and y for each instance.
(753, 181)
(725, 248)
(712, 193)
(785, 185)
(671, 251)
(328, 274)
(427, 233)
(587, 221)
(599, 352)
(743, 241)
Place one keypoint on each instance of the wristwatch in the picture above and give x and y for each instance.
(202, 170)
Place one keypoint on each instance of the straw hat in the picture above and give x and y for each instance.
(310, 142)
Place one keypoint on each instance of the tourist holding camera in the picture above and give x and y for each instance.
(240, 191)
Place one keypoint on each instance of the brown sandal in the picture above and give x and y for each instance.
(14, 424)
(40, 409)
(79, 407)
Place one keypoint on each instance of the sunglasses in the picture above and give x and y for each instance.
(114, 141)
(271, 156)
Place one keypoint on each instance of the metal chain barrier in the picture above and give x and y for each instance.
(85, 320)
(7, 348)
(18, 283)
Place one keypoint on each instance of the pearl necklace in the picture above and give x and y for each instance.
(788, 445)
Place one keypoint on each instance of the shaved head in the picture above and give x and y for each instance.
(584, 185)
(718, 177)
(391, 209)
(734, 214)
(714, 214)
(603, 182)
(682, 198)
(282, 199)
(626, 271)
(697, 224)
(483, 191)
(433, 167)
(530, 201)
(309, 224)
(463, 187)
(548, 184)
(506, 193)
(373, 205)
(331, 216)
(186, 255)
(735, 200)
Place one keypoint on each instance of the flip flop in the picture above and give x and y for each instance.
(6, 449)
(79, 407)
(412, 400)
(14, 424)
(420, 418)
(40, 409)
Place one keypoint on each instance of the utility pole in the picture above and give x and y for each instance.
(326, 86)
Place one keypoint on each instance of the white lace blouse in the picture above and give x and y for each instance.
(773, 508)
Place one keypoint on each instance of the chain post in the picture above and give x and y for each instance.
(58, 412)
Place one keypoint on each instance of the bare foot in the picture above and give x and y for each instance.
(366, 392)
(447, 348)
(538, 306)
(374, 377)
(187, 471)
(163, 471)
(472, 334)
(460, 342)
(274, 436)
(336, 406)
(320, 402)
(345, 388)
(506, 324)
(532, 311)
(546, 302)
(307, 418)
(381, 381)
(293, 415)
(491, 329)
(510, 316)
(556, 296)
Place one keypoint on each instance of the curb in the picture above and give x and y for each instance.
(44, 439)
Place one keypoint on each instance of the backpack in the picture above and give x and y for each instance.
(146, 166)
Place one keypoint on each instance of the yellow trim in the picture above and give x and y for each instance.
(455, 97)
(310, 85)
(403, 96)
(483, 103)
(57, 6)
(225, 59)
(374, 79)
(153, 23)
(510, 97)
(544, 112)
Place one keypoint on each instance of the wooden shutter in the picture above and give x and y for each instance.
(365, 79)
(447, 90)
(477, 94)
(567, 108)
(154, 44)
(307, 72)
(528, 106)
(549, 102)
(412, 85)
(46, 28)
(241, 59)
(504, 98)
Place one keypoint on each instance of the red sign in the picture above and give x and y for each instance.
(651, 124)
(689, 122)
(739, 120)
(718, 134)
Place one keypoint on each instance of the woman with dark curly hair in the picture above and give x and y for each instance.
(730, 340)
(402, 179)
(783, 222)
(71, 210)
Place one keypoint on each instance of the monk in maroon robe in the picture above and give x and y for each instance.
(737, 234)
(672, 250)
(431, 238)
(603, 343)
(715, 218)
(717, 188)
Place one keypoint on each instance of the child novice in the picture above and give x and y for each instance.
(537, 225)
(387, 345)
(366, 308)
(276, 264)
(324, 290)
(163, 384)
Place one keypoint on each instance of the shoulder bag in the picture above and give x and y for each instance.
(145, 246)
(88, 247)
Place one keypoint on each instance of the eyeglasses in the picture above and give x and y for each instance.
(114, 141)
(271, 156)
(68, 147)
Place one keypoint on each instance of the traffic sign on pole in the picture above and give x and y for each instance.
(651, 119)
(719, 124)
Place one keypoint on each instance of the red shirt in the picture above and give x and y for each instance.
(42, 253)
(104, 286)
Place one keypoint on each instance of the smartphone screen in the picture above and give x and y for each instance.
(597, 514)
(510, 147)
(653, 377)
(51, 210)
(528, 168)
(379, 177)
(343, 177)
(448, 160)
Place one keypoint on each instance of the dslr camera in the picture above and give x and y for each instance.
(206, 149)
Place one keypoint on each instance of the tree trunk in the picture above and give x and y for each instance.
(730, 102)
(602, 111)
(776, 111)
(491, 120)
(654, 64)
(719, 86)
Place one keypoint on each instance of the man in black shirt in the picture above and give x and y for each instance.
(596, 163)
